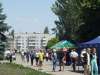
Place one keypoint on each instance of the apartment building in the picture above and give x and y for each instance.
(24, 41)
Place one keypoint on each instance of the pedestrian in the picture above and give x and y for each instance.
(22, 55)
(10, 57)
(54, 59)
(94, 66)
(41, 59)
(64, 59)
(27, 56)
(74, 58)
(47, 56)
(85, 58)
(32, 56)
(60, 56)
(37, 58)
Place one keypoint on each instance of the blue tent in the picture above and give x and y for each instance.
(93, 43)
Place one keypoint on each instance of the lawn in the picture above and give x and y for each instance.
(13, 69)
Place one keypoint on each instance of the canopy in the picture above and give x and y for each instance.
(95, 42)
(63, 44)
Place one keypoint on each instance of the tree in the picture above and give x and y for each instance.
(68, 21)
(77, 19)
(91, 20)
(3, 28)
(52, 42)
(46, 30)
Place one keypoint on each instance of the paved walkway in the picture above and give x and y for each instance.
(47, 67)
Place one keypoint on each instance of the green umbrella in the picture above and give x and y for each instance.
(63, 44)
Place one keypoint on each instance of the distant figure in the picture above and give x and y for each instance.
(41, 59)
(47, 56)
(85, 58)
(37, 58)
(60, 56)
(32, 56)
(94, 66)
(27, 56)
(74, 58)
(54, 59)
(23, 56)
(10, 57)
(64, 59)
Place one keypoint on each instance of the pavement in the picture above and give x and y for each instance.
(47, 67)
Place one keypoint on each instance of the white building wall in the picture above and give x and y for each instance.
(24, 41)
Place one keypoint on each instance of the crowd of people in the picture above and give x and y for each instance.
(32, 55)
(61, 56)
(88, 59)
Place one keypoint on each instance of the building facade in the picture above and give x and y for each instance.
(10, 43)
(24, 41)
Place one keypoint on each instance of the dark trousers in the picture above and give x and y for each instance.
(37, 60)
(32, 61)
(10, 58)
(54, 65)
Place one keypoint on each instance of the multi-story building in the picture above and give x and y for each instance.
(24, 41)
(10, 42)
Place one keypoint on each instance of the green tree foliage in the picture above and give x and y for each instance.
(68, 21)
(52, 42)
(3, 28)
(77, 19)
(46, 30)
(91, 19)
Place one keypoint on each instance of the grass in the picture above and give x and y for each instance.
(13, 69)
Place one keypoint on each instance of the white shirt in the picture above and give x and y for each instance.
(73, 54)
(88, 56)
(47, 55)
(83, 53)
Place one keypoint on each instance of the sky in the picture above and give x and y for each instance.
(29, 15)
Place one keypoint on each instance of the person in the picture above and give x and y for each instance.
(60, 56)
(74, 58)
(32, 56)
(37, 58)
(47, 56)
(94, 66)
(22, 55)
(64, 59)
(85, 58)
(27, 56)
(10, 57)
(54, 59)
(41, 59)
